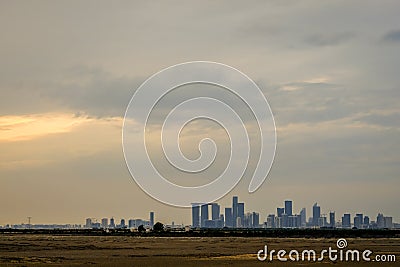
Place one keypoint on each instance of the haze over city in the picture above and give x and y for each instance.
(329, 71)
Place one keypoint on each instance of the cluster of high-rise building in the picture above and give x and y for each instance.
(233, 217)
(210, 216)
(284, 218)
(111, 224)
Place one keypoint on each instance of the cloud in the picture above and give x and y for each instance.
(329, 39)
(383, 119)
(80, 90)
(392, 36)
(17, 128)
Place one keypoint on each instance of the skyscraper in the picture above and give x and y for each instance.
(234, 210)
(285, 220)
(271, 221)
(280, 212)
(380, 220)
(332, 222)
(303, 217)
(316, 214)
(104, 223)
(204, 215)
(151, 219)
(195, 215)
(358, 220)
(288, 207)
(88, 223)
(346, 220)
(240, 213)
(228, 217)
(256, 220)
(366, 221)
(388, 222)
(215, 210)
(112, 223)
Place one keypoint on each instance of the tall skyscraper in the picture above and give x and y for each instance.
(228, 217)
(388, 222)
(104, 223)
(88, 223)
(366, 221)
(316, 214)
(151, 219)
(241, 213)
(346, 220)
(256, 220)
(332, 222)
(112, 223)
(380, 220)
(215, 211)
(234, 210)
(288, 207)
(195, 215)
(280, 212)
(204, 215)
(122, 224)
(303, 217)
(358, 220)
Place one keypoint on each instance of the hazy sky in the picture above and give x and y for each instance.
(329, 69)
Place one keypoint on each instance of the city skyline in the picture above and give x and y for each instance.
(283, 217)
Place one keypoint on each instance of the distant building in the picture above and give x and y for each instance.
(388, 222)
(293, 221)
(271, 221)
(88, 223)
(380, 221)
(248, 220)
(204, 214)
(195, 215)
(285, 220)
(151, 219)
(280, 212)
(289, 207)
(303, 217)
(316, 214)
(358, 221)
(112, 223)
(238, 222)
(135, 223)
(215, 211)
(346, 220)
(256, 220)
(122, 223)
(278, 222)
(104, 223)
(332, 222)
(366, 222)
(234, 210)
(222, 219)
(228, 217)
(241, 213)
(322, 222)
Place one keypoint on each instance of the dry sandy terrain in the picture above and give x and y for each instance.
(43, 250)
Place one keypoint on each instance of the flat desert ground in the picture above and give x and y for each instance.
(53, 250)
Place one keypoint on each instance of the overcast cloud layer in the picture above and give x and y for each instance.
(68, 70)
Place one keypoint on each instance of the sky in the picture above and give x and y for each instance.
(329, 69)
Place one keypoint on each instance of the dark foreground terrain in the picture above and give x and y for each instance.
(74, 250)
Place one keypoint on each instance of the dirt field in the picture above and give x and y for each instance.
(43, 250)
